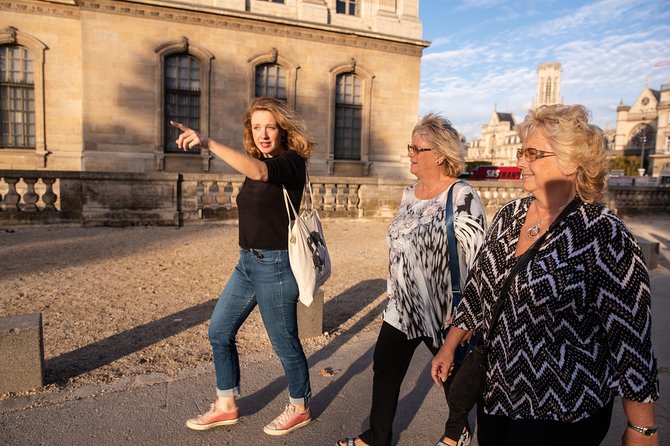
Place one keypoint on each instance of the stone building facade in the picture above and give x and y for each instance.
(548, 91)
(643, 130)
(91, 84)
(499, 141)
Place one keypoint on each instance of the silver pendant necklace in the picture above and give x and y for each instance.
(536, 229)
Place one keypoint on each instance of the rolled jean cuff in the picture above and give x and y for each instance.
(235, 391)
(302, 401)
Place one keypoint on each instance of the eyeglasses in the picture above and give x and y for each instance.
(531, 154)
(413, 150)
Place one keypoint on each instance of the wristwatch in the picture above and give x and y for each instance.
(644, 430)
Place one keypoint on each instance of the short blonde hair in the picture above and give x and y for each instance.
(292, 127)
(575, 142)
(444, 140)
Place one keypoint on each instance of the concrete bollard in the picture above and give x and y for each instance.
(21, 353)
(650, 252)
(310, 319)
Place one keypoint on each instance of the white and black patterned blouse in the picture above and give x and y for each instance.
(575, 329)
(419, 282)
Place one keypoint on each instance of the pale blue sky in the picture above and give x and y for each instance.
(486, 52)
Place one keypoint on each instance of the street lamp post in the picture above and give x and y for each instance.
(644, 140)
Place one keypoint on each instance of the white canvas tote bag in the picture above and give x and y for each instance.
(307, 250)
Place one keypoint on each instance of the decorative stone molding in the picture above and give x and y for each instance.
(266, 25)
(68, 9)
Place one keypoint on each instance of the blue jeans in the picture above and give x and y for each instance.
(261, 277)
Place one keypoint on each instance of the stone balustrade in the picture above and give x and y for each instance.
(122, 199)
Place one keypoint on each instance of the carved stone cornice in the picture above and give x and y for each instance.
(246, 22)
(41, 8)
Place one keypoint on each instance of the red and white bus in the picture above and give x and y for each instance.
(488, 173)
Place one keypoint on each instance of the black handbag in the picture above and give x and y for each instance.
(469, 379)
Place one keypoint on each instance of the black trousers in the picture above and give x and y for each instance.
(392, 357)
(497, 430)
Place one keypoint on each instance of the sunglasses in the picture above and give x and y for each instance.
(413, 150)
(531, 154)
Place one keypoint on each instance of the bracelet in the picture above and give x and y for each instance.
(644, 430)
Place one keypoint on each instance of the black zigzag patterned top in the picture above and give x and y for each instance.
(575, 329)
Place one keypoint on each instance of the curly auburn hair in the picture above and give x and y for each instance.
(292, 127)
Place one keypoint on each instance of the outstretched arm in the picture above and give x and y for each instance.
(243, 163)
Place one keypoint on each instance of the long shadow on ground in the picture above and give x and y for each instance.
(365, 292)
(105, 351)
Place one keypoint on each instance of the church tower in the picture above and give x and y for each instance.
(548, 84)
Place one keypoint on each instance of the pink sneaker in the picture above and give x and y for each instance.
(213, 418)
(288, 421)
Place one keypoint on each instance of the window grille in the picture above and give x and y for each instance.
(182, 97)
(17, 97)
(347, 7)
(348, 117)
(271, 81)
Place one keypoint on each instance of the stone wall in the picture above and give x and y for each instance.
(99, 80)
(103, 198)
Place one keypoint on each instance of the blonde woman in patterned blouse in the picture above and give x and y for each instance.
(419, 283)
(575, 327)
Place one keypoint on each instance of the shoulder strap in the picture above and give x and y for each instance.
(523, 261)
(453, 251)
(308, 187)
(287, 198)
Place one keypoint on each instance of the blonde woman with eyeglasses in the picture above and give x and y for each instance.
(419, 283)
(573, 331)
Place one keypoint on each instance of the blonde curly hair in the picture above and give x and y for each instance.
(444, 140)
(292, 127)
(575, 142)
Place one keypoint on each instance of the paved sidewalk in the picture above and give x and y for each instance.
(155, 414)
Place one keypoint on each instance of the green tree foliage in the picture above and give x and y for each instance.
(629, 164)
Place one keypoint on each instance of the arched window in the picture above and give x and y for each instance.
(273, 75)
(643, 135)
(22, 123)
(182, 96)
(270, 80)
(348, 117)
(17, 97)
(183, 71)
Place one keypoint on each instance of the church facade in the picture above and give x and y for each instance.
(499, 142)
(90, 85)
(643, 130)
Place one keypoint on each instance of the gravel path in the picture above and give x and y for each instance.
(122, 303)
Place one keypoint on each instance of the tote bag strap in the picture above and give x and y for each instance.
(308, 187)
(287, 198)
(523, 261)
(288, 203)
